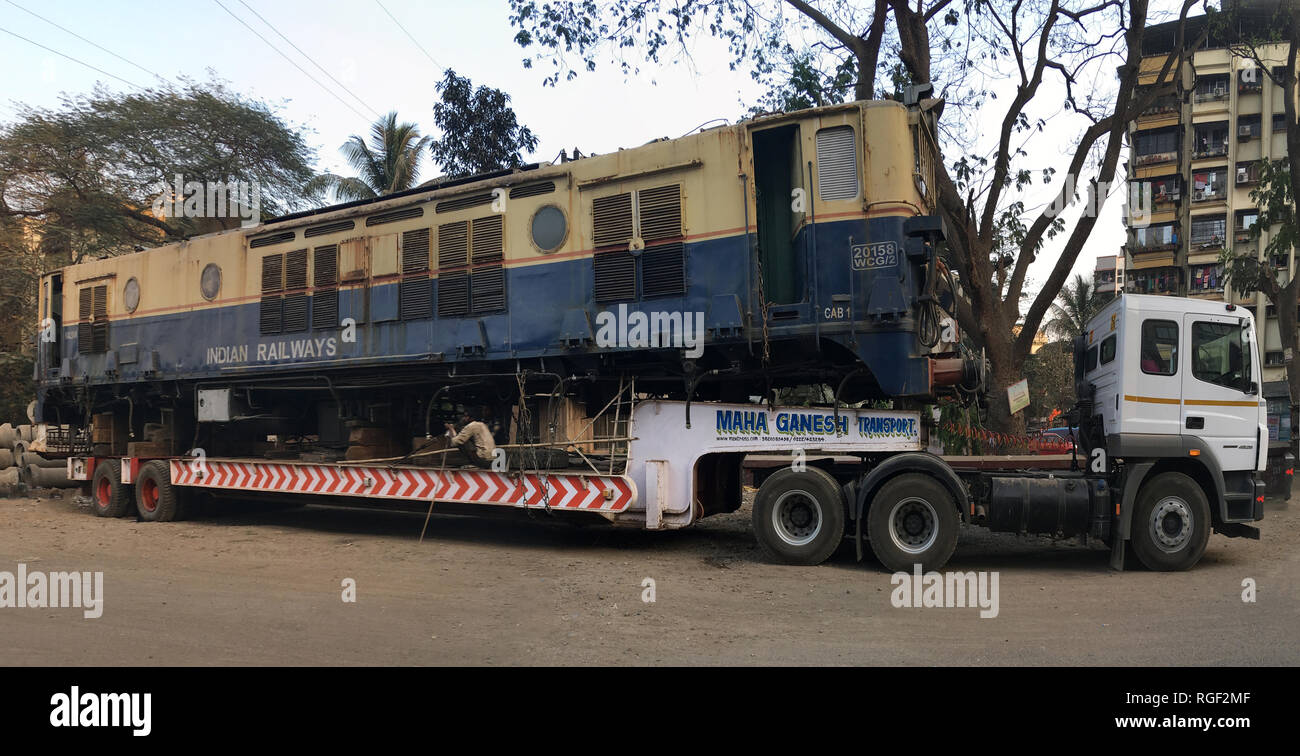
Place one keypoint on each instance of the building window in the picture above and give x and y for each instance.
(1158, 281)
(1156, 146)
(1209, 231)
(1155, 238)
(1274, 359)
(1279, 122)
(1211, 88)
(1249, 127)
(1210, 185)
(1205, 278)
(1211, 140)
(1247, 172)
(1159, 347)
(1246, 219)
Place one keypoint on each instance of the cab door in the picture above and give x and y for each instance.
(1220, 389)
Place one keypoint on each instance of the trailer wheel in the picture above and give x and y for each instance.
(1171, 523)
(799, 516)
(912, 520)
(155, 497)
(109, 496)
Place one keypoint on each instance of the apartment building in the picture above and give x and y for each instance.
(1198, 150)
(1108, 275)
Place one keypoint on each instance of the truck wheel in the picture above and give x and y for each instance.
(155, 497)
(912, 520)
(109, 497)
(1171, 523)
(799, 516)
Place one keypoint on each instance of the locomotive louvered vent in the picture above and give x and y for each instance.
(615, 276)
(532, 190)
(270, 315)
(92, 316)
(837, 163)
(415, 251)
(295, 285)
(486, 241)
(415, 291)
(612, 220)
(269, 239)
(661, 212)
(325, 278)
(488, 278)
(453, 281)
(663, 270)
(405, 213)
(460, 203)
(329, 228)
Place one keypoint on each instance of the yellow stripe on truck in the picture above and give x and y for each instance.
(1188, 402)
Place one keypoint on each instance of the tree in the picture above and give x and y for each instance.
(480, 132)
(1249, 37)
(1077, 303)
(84, 176)
(388, 163)
(20, 265)
(1029, 49)
(1050, 371)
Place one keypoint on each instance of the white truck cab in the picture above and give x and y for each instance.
(1170, 407)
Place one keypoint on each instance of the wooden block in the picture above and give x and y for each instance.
(147, 449)
(369, 436)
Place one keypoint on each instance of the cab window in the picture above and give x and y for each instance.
(1159, 347)
(1107, 349)
(1090, 360)
(1220, 355)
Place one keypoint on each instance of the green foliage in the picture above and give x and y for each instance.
(1077, 303)
(85, 174)
(1050, 372)
(480, 132)
(388, 163)
(1274, 196)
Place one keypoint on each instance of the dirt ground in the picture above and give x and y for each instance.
(265, 587)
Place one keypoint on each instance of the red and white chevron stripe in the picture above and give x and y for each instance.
(595, 493)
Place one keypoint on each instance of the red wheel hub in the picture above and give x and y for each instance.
(103, 493)
(149, 494)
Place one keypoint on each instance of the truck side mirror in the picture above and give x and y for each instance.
(1252, 388)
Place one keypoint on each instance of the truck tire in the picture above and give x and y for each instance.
(799, 516)
(156, 498)
(912, 520)
(1171, 522)
(108, 495)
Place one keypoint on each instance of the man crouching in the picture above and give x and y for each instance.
(474, 440)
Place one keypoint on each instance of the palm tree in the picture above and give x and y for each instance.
(389, 163)
(1077, 303)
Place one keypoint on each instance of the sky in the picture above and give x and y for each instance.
(370, 55)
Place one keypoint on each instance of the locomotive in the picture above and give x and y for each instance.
(790, 249)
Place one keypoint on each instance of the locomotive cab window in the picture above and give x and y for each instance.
(1159, 350)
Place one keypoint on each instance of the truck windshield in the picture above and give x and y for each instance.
(1220, 355)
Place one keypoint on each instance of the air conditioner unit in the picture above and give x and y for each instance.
(1220, 91)
(1243, 175)
(1243, 132)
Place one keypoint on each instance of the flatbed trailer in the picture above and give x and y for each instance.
(1172, 438)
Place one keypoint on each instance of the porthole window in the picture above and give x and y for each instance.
(131, 295)
(549, 228)
(210, 281)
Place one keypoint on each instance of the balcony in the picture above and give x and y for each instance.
(1216, 194)
(1217, 94)
(1211, 151)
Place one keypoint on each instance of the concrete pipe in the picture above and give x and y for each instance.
(20, 448)
(9, 476)
(6, 459)
(26, 433)
(47, 477)
(8, 435)
(32, 458)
